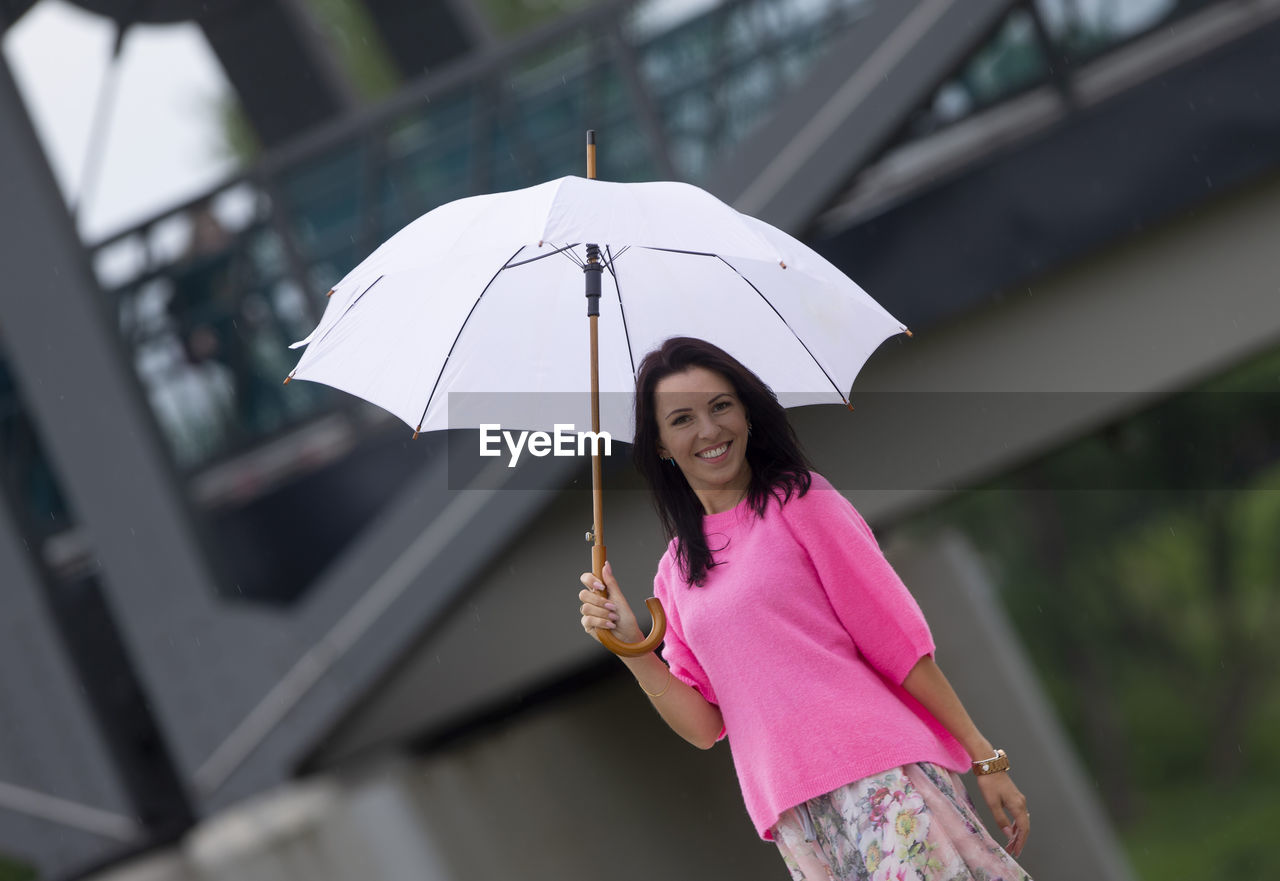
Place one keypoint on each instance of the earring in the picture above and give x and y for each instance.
(670, 460)
(748, 429)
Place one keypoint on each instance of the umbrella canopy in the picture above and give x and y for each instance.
(483, 296)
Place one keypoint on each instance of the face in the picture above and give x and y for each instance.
(703, 426)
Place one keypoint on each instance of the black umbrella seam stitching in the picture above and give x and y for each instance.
(346, 312)
(458, 336)
(626, 333)
(786, 325)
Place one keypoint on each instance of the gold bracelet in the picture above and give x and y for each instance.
(994, 765)
(664, 688)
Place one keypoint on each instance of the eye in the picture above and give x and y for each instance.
(722, 405)
(680, 420)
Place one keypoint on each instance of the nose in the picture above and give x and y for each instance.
(707, 428)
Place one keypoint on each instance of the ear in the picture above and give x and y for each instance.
(662, 452)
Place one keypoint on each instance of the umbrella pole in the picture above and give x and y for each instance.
(592, 271)
(598, 553)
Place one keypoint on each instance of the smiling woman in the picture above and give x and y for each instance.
(703, 429)
(789, 634)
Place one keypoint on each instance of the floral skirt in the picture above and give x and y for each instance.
(914, 823)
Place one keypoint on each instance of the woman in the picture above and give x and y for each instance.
(788, 632)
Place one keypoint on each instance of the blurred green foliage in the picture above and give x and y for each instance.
(1141, 567)
(353, 36)
(508, 17)
(11, 870)
(348, 30)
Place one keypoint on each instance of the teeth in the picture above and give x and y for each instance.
(711, 454)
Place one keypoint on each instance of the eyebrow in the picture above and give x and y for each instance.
(711, 400)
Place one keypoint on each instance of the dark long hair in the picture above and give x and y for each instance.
(778, 465)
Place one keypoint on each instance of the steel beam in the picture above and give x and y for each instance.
(285, 74)
(83, 397)
(851, 104)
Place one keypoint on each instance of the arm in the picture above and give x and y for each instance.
(688, 713)
(927, 684)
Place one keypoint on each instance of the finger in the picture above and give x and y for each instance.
(590, 623)
(1002, 820)
(1022, 831)
(598, 613)
(591, 598)
(593, 583)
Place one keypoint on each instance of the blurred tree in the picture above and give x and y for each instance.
(363, 56)
(1140, 566)
(509, 17)
(12, 870)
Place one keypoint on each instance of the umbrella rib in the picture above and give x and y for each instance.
(626, 334)
(787, 326)
(347, 311)
(458, 336)
(542, 257)
(567, 251)
(679, 251)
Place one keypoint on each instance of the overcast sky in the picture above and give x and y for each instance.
(162, 144)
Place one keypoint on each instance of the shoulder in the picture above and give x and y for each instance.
(823, 509)
(820, 498)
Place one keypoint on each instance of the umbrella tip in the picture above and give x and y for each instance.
(849, 405)
(782, 263)
(287, 378)
(330, 294)
(416, 430)
(908, 333)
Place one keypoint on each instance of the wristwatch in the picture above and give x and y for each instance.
(994, 765)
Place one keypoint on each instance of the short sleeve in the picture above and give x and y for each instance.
(675, 651)
(868, 597)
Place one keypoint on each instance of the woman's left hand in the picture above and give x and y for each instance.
(1009, 808)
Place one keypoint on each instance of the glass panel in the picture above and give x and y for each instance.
(1014, 59)
(731, 64)
(209, 335)
(1011, 62)
(1083, 30)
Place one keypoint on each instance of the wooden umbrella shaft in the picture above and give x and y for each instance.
(593, 271)
(597, 469)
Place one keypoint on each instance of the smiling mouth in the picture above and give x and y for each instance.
(714, 452)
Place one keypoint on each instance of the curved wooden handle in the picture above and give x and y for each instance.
(653, 604)
(644, 646)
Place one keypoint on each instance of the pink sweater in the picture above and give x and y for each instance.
(803, 634)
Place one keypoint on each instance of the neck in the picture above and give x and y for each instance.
(715, 501)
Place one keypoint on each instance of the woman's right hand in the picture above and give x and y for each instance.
(609, 610)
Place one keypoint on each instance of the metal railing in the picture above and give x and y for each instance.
(1039, 42)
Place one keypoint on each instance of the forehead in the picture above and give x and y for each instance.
(697, 381)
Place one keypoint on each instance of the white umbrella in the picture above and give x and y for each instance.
(485, 295)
